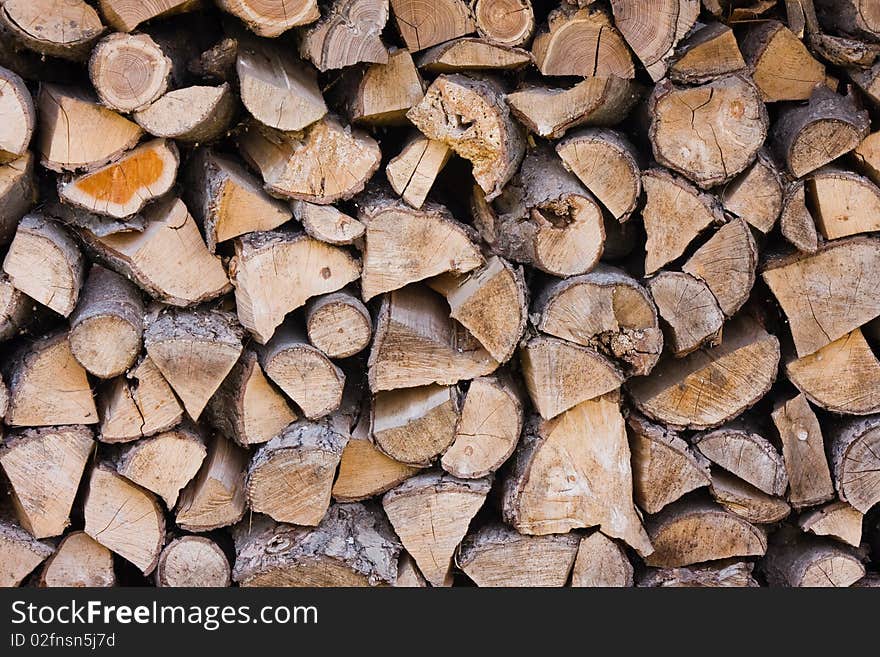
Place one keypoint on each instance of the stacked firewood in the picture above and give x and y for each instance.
(381, 292)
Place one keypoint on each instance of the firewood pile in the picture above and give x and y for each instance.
(493, 292)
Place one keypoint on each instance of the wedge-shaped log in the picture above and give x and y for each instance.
(20, 553)
(805, 561)
(386, 92)
(79, 561)
(756, 194)
(19, 115)
(470, 54)
(747, 455)
(652, 29)
(209, 111)
(845, 202)
(601, 563)
(746, 501)
(689, 310)
(415, 425)
(327, 223)
(709, 52)
(775, 52)
(836, 519)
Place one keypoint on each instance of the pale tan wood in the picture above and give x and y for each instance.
(471, 54)
(505, 22)
(412, 172)
(386, 92)
(746, 501)
(709, 52)
(746, 454)
(796, 222)
(689, 309)
(16, 310)
(18, 193)
(129, 71)
(853, 450)
(20, 553)
(723, 574)
(191, 561)
(845, 203)
(271, 18)
(44, 468)
(124, 518)
(79, 561)
(804, 561)
(601, 563)
(327, 223)
(867, 156)
(18, 113)
(350, 32)
(196, 114)
(424, 25)
(58, 28)
(339, 324)
(756, 195)
(126, 15)
(415, 425)
(562, 480)
(408, 575)
(431, 513)
(836, 519)
(783, 67)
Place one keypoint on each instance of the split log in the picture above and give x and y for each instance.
(45, 263)
(129, 71)
(168, 260)
(79, 561)
(353, 546)
(209, 111)
(856, 17)
(843, 51)
(386, 92)
(561, 481)
(845, 203)
(723, 574)
(471, 118)
(747, 455)
(710, 132)
(424, 25)
(56, 28)
(305, 374)
(47, 386)
(192, 561)
(78, 133)
(408, 575)
(44, 468)
(547, 218)
(690, 532)
(607, 310)
(305, 452)
(140, 404)
(853, 455)
(711, 51)
(350, 32)
(867, 156)
(413, 171)
(404, 245)
(277, 272)
(783, 67)
(652, 29)
(843, 376)
(415, 425)
(277, 89)
(560, 375)
(339, 324)
(106, 326)
(606, 162)
(675, 213)
(124, 518)
(800, 285)
(271, 19)
(810, 562)
(505, 22)
(549, 112)
(99, 225)
(216, 497)
(16, 310)
(746, 501)
(470, 54)
(809, 136)
(19, 115)
(709, 387)
(803, 450)
(541, 561)
(689, 309)
(601, 563)
(20, 553)
(18, 193)
(836, 519)
(194, 350)
(294, 165)
(795, 221)
(581, 42)
(327, 223)
(125, 15)
(488, 429)
(164, 463)
(756, 194)
(431, 513)
(217, 62)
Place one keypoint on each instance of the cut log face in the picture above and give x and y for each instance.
(795, 222)
(774, 51)
(168, 260)
(129, 71)
(327, 224)
(601, 563)
(747, 455)
(709, 52)
(746, 501)
(415, 425)
(44, 468)
(549, 112)
(45, 263)
(192, 561)
(708, 133)
(470, 54)
(413, 171)
(271, 19)
(800, 285)
(574, 471)
(424, 25)
(59, 29)
(845, 202)
(723, 574)
(404, 245)
(216, 497)
(836, 519)
(15, 310)
(125, 15)
(803, 450)
(710, 386)
(277, 272)
(107, 325)
(811, 562)
(124, 518)
(471, 118)
(77, 133)
(307, 165)
(756, 194)
(18, 193)
(339, 324)
(488, 430)
(583, 43)
(386, 92)
(79, 562)
(690, 532)
(664, 466)
(353, 546)
(349, 33)
(408, 575)
(47, 387)
(194, 350)
(305, 452)
(605, 309)
(505, 22)
(431, 513)
(689, 309)
(674, 214)
(209, 111)
(867, 156)
(843, 376)
(164, 463)
(541, 561)
(21, 553)
(19, 115)
(856, 468)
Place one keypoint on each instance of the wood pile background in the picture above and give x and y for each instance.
(385, 292)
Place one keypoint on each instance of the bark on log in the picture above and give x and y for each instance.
(809, 562)
(709, 52)
(853, 454)
(327, 223)
(209, 112)
(746, 501)
(747, 455)
(20, 553)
